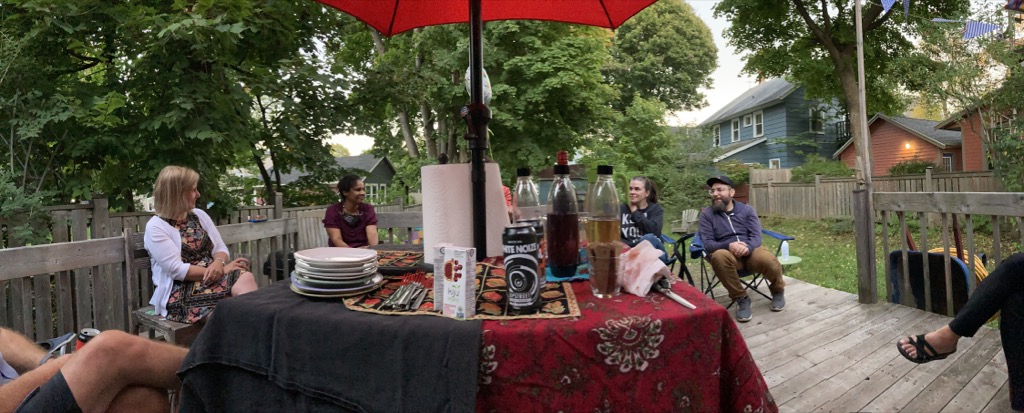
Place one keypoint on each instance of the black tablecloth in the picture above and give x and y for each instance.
(265, 348)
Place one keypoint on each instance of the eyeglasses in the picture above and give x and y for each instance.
(720, 190)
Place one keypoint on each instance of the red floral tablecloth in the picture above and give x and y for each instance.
(624, 354)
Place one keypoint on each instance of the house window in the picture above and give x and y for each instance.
(775, 163)
(716, 134)
(736, 130)
(746, 120)
(817, 124)
(371, 192)
(947, 162)
(758, 124)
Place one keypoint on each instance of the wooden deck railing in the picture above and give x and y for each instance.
(50, 289)
(1001, 211)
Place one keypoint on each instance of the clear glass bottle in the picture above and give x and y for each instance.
(526, 207)
(563, 233)
(603, 238)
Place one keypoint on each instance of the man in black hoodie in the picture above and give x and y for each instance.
(731, 233)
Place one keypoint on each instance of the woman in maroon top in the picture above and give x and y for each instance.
(351, 222)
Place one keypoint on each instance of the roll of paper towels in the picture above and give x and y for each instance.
(448, 208)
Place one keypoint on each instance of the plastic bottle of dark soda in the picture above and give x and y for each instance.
(563, 226)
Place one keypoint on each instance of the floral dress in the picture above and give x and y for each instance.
(190, 301)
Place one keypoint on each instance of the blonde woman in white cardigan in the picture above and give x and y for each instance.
(191, 270)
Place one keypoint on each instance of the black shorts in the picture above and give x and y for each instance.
(53, 396)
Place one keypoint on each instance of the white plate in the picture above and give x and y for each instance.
(335, 255)
(340, 270)
(298, 278)
(346, 278)
(374, 282)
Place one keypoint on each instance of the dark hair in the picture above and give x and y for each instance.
(652, 189)
(346, 184)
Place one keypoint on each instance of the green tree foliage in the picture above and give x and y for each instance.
(814, 44)
(98, 96)
(911, 167)
(818, 165)
(737, 171)
(21, 215)
(664, 53)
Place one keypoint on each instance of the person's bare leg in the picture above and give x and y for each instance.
(943, 340)
(140, 400)
(11, 394)
(19, 351)
(245, 283)
(115, 360)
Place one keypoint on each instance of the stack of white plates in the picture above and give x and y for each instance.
(335, 272)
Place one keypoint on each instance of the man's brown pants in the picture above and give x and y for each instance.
(726, 267)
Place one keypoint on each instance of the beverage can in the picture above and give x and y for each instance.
(85, 335)
(524, 280)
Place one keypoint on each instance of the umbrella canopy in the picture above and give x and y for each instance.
(391, 17)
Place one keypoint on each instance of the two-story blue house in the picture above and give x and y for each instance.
(773, 124)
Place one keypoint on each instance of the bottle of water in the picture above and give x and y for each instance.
(526, 207)
(784, 250)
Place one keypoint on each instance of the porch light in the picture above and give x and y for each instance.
(906, 146)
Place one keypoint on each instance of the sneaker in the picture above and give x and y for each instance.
(778, 301)
(743, 309)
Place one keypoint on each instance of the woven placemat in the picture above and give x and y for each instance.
(558, 299)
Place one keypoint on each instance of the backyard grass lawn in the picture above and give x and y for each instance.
(828, 252)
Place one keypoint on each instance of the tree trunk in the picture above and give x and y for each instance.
(403, 116)
(848, 80)
(428, 130)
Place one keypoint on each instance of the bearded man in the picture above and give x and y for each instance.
(731, 233)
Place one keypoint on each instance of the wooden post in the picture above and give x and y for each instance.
(100, 216)
(768, 200)
(867, 284)
(278, 205)
(817, 197)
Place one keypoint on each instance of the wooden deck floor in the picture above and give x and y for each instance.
(827, 352)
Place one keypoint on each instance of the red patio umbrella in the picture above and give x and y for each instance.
(391, 17)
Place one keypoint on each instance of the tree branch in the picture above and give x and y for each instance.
(872, 16)
(824, 37)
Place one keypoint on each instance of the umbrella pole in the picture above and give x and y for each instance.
(479, 115)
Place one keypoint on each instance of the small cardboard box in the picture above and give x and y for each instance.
(459, 282)
(439, 249)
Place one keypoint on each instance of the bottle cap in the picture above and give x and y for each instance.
(561, 169)
(604, 169)
(523, 172)
(563, 158)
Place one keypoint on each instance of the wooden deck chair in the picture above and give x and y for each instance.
(311, 229)
(685, 224)
(138, 287)
(708, 279)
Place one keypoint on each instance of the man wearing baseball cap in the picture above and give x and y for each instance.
(731, 233)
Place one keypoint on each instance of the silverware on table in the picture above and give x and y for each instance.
(662, 287)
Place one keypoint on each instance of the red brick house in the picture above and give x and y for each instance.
(970, 125)
(896, 139)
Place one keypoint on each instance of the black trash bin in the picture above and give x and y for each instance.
(280, 258)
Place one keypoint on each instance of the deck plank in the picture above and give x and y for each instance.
(980, 390)
(827, 352)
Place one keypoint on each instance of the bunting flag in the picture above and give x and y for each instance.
(886, 5)
(1014, 5)
(906, 10)
(941, 20)
(975, 29)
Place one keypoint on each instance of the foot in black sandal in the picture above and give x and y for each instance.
(924, 351)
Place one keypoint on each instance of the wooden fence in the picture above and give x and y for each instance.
(93, 220)
(999, 208)
(831, 198)
(50, 289)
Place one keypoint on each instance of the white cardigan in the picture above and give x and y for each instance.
(163, 242)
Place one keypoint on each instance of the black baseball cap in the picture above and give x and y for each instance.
(722, 179)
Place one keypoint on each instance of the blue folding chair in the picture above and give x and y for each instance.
(708, 278)
(676, 255)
